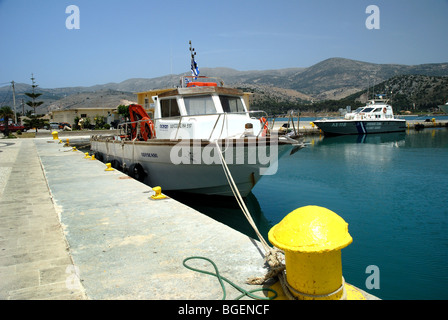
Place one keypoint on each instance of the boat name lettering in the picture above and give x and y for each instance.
(339, 124)
(182, 125)
(149, 155)
(163, 126)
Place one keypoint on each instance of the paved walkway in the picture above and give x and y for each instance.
(34, 259)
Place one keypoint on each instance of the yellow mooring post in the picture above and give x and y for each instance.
(87, 155)
(158, 194)
(312, 238)
(109, 167)
(55, 135)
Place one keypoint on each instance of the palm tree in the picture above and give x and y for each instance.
(6, 113)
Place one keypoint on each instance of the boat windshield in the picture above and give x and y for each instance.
(367, 109)
(231, 104)
(199, 105)
(359, 110)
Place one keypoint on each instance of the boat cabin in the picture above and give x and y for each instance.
(200, 111)
(374, 110)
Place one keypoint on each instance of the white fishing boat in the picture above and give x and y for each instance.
(375, 117)
(202, 139)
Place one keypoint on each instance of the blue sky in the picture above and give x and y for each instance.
(118, 40)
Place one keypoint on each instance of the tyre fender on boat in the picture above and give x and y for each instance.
(137, 172)
(116, 164)
(98, 156)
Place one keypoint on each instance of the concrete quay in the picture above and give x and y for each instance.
(34, 254)
(70, 230)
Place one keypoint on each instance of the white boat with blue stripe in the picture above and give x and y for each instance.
(375, 117)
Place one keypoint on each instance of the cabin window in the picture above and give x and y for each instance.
(169, 108)
(231, 104)
(199, 105)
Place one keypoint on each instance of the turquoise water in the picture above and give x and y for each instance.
(390, 188)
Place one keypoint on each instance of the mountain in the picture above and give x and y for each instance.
(331, 79)
(410, 92)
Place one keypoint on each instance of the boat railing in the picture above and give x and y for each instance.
(185, 80)
(126, 125)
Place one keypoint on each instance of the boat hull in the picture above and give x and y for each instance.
(193, 166)
(347, 127)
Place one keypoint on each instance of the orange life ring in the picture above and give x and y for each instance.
(265, 126)
(201, 84)
(384, 110)
(147, 129)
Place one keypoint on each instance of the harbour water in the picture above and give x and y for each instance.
(390, 188)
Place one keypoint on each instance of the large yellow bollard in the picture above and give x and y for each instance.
(55, 135)
(312, 238)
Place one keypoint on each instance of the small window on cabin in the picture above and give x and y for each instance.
(146, 103)
(231, 104)
(199, 105)
(169, 108)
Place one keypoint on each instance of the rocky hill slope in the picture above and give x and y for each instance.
(331, 79)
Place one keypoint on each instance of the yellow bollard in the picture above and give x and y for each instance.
(87, 155)
(55, 135)
(312, 238)
(109, 167)
(74, 149)
(93, 157)
(158, 195)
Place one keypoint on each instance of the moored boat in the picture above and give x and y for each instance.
(198, 130)
(375, 117)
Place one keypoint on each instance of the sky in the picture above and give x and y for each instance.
(117, 40)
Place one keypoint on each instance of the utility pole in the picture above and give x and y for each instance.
(14, 100)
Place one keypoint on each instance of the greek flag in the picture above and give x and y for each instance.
(194, 67)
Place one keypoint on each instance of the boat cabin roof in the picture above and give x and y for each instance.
(201, 91)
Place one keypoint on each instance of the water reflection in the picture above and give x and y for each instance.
(382, 138)
(227, 211)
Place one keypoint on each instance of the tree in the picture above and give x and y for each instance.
(123, 110)
(33, 103)
(6, 113)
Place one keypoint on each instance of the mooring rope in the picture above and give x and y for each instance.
(273, 256)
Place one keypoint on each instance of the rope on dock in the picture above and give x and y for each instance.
(273, 256)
